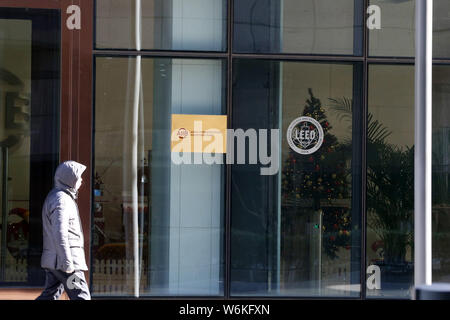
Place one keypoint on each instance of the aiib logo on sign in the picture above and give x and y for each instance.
(305, 135)
(182, 133)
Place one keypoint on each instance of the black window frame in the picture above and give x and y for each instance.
(363, 60)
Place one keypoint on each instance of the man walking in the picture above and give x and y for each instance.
(63, 252)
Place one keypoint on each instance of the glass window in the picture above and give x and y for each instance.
(178, 208)
(441, 173)
(396, 37)
(293, 26)
(390, 181)
(441, 29)
(295, 232)
(29, 137)
(165, 24)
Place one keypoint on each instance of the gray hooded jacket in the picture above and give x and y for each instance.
(62, 231)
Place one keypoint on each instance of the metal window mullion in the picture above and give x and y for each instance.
(363, 180)
(229, 61)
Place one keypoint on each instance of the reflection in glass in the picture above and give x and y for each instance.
(390, 179)
(293, 26)
(441, 29)
(166, 24)
(15, 68)
(441, 173)
(29, 137)
(179, 207)
(295, 233)
(395, 38)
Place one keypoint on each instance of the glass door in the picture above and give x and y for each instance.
(297, 232)
(29, 136)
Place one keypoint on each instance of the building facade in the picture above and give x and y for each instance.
(308, 194)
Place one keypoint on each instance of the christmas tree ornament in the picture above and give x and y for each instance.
(320, 176)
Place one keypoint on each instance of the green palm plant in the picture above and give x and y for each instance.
(390, 198)
(390, 185)
(376, 131)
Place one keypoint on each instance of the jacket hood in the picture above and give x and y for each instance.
(67, 175)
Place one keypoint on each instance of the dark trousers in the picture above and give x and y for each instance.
(56, 281)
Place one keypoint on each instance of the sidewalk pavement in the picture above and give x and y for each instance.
(23, 294)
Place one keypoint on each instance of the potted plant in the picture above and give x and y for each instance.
(390, 209)
(390, 198)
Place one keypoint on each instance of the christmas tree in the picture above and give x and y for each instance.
(320, 178)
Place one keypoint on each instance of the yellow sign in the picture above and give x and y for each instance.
(199, 133)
